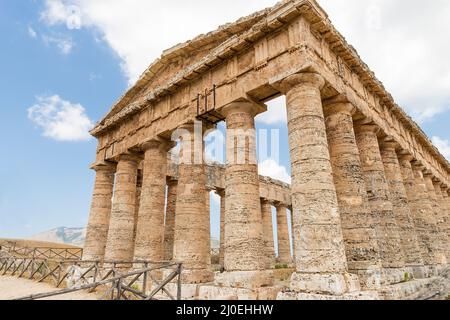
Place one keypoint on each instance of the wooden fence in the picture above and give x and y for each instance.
(119, 280)
(44, 252)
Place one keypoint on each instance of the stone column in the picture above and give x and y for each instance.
(169, 226)
(444, 218)
(284, 245)
(245, 255)
(387, 229)
(192, 224)
(440, 235)
(425, 221)
(266, 211)
(149, 244)
(320, 259)
(120, 243)
(97, 230)
(408, 237)
(221, 193)
(358, 220)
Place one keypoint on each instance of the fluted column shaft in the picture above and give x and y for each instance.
(266, 211)
(440, 233)
(244, 244)
(387, 230)
(97, 230)
(169, 226)
(425, 220)
(358, 221)
(192, 223)
(319, 245)
(149, 243)
(444, 220)
(120, 243)
(284, 244)
(402, 212)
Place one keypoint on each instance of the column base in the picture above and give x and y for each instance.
(324, 284)
(211, 292)
(244, 279)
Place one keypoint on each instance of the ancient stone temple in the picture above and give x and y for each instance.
(369, 197)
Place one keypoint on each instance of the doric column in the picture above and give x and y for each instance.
(440, 233)
(426, 222)
(444, 218)
(320, 259)
(97, 230)
(358, 220)
(266, 211)
(387, 230)
(402, 212)
(192, 224)
(169, 226)
(245, 255)
(221, 194)
(120, 243)
(284, 245)
(149, 244)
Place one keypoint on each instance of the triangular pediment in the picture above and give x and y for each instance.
(181, 56)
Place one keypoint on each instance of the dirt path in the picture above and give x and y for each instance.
(12, 288)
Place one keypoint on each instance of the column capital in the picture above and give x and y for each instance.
(129, 156)
(280, 205)
(157, 143)
(333, 107)
(244, 105)
(428, 174)
(417, 165)
(104, 166)
(404, 155)
(306, 78)
(389, 145)
(366, 128)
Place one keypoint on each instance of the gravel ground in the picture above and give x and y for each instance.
(13, 287)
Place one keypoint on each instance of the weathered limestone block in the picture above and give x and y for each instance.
(192, 223)
(399, 198)
(120, 243)
(319, 245)
(387, 229)
(266, 211)
(149, 244)
(358, 221)
(284, 243)
(244, 243)
(169, 227)
(441, 241)
(97, 230)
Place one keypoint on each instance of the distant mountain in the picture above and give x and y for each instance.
(72, 236)
(77, 236)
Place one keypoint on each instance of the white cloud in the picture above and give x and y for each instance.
(276, 112)
(443, 146)
(270, 168)
(60, 120)
(64, 45)
(403, 43)
(31, 32)
(138, 31)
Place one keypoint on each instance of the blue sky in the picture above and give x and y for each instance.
(64, 63)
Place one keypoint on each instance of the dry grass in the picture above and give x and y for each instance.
(36, 244)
